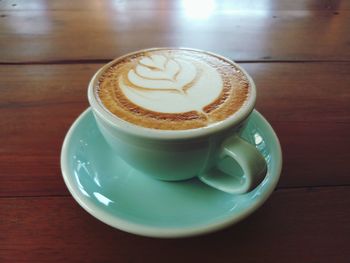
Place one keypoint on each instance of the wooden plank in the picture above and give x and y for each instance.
(299, 225)
(302, 92)
(105, 33)
(310, 116)
(314, 153)
(316, 92)
(335, 5)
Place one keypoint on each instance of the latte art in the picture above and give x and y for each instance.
(171, 85)
(172, 89)
(159, 72)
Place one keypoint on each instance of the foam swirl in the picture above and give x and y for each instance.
(170, 84)
(172, 89)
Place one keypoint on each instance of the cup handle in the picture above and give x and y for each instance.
(252, 163)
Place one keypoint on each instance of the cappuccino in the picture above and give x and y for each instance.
(172, 89)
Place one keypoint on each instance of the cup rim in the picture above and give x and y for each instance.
(157, 134)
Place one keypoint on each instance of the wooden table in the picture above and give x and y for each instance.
(297, 51)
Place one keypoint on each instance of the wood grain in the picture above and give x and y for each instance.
(303, 225)
(78, 5)
(307, 104)
(302, 92)
(315, 92)
(106, 32)
(49, 50)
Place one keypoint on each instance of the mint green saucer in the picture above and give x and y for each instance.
(115, 193)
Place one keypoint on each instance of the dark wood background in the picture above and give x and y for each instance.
(298, 52)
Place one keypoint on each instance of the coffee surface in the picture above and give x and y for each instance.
(172, 89)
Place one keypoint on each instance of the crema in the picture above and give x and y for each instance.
(172, 89)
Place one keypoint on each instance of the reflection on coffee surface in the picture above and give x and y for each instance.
(173, 89)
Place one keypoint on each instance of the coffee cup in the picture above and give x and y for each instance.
(177, 113)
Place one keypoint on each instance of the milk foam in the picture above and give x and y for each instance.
(172, 89)
(171, 84)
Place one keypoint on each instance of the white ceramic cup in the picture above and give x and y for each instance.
(174, 155)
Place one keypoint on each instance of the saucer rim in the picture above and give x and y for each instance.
(151, 231)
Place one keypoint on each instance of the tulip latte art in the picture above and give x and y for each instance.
(173, 89)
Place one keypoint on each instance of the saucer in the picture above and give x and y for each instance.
(118, 195)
